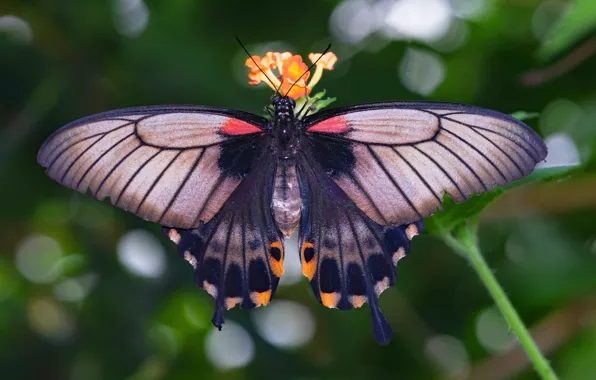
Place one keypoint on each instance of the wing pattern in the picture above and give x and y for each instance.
(169, 164)
(396, 161)
(348, 258)
(238, 255)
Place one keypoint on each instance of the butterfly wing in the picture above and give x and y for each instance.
(398, 160)
(191, 169)
(371, 173)
(348, 258)
(174, 165)
(238, 255)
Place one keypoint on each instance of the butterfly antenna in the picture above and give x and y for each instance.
(257, 65)
(309, 67)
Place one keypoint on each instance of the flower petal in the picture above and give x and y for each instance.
(327, 61)
(294, 89)
(269, 60)
(253, 63)
(294, 68)
(279, 59)
(256, 77)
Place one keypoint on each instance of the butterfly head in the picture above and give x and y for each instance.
(283, 107)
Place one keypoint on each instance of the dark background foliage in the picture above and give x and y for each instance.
(90, 292)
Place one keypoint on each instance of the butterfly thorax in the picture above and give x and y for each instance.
(285, 128)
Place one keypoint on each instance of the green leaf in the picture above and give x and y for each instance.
(454, 215)
(577, 359)
(576, 23)
(268, 111)
(320, 104)
(319, 95)
(555, 173)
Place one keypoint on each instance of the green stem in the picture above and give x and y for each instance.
(467, 245)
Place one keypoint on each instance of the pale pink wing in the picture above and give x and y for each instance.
(396, 161)
(174, 165)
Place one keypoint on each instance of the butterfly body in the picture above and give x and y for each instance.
(287, 130)
(229, 186)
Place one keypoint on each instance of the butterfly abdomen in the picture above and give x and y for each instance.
(286, 202)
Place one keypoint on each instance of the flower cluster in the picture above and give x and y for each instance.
(292, 73)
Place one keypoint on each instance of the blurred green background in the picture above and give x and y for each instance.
(90, 292)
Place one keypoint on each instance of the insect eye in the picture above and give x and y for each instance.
(292, 102)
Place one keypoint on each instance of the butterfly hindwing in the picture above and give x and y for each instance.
(238, 255)
(396, 161)
(348, 258)
(174, 165)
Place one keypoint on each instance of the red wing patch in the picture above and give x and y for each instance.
(235, 127)
(337, 124)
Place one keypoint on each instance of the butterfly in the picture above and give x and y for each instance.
(229, 186)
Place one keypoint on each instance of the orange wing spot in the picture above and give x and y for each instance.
(190, 258)
(381, 286)
(210, 288)
(330, 299)
(398, 255)
(230, 302)
(277, 244)
(277, 265)
(357, 301)
(261, 298)
(411, 231)
(174, 236)
(238, 127)
(337, 124)
(308, 267)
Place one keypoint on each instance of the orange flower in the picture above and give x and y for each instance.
(279, 58)
(324, 62)
(293, 72)
(294, 89)
(260, 71)
(293, 68)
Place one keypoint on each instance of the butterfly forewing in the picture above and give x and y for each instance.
(396, 161)
(173, 165)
